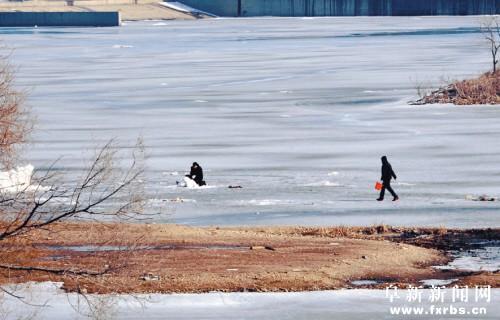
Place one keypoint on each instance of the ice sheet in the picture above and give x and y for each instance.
(341, 304)
(274, 105)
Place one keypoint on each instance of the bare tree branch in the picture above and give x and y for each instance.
(107, 188)
(490, 28)
(15, 121)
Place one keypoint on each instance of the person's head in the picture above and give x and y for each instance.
(384, 159)
(195, 164)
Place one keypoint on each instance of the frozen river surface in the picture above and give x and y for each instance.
(359, 304)
(296, 111)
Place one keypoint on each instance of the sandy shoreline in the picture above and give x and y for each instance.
(165, 258)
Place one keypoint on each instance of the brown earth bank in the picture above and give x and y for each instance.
(144, 258)
(482, 90)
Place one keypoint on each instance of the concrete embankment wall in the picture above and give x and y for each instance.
(59, 19)
(48, 3)
(290, 8)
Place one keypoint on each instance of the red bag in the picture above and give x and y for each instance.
(378, 186)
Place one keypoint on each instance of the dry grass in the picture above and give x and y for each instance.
(482, 90)
(190, 259)
(184, 259)
(352, 232)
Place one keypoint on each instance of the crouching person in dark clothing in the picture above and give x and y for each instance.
(387, 175)
(196, 174)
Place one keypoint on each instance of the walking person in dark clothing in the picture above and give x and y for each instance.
(387, 175)
(196, 174)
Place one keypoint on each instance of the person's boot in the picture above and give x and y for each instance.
(396, 198)
(380, 199)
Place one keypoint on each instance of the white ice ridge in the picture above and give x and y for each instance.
(18, 180)
(179, 6)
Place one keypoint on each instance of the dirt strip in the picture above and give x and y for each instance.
(146, 258)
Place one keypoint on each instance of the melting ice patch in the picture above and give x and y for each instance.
(437, 282)
(486, 258)
(364, 282)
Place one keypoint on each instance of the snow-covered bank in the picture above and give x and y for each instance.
(19, 180)
(342, 304)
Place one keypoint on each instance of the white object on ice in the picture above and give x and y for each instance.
(16, 180)
(188, 183)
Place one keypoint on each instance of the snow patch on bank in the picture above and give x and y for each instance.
(437, 282)
(19, 179)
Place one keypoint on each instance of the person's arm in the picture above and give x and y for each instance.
(393, 174)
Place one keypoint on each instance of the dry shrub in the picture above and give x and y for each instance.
(483, 90)
(109, 188)
(327, 232)
(15, 120)
(382, 228)
(441, 231)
